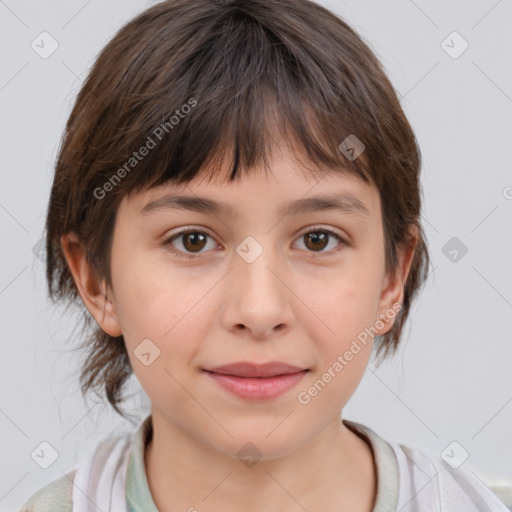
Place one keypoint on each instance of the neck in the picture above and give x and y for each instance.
(333, 471)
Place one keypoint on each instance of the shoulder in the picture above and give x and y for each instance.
(429, 481)
(57, 496)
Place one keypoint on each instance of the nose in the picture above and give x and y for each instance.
(258, 299)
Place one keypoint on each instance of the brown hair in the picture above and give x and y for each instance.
(196, 80)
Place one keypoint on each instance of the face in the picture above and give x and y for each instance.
(253, 284)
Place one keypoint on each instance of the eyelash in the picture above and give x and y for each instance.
(315, 229)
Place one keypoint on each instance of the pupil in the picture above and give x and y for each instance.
(195, 238)
(316, 237)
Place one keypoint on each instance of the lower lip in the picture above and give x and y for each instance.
(253, 388)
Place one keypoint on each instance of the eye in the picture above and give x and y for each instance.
(317, 238)
(191, 240)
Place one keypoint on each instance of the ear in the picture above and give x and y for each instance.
(393, 285)
(96, 298)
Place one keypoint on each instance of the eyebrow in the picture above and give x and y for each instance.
(344, 202)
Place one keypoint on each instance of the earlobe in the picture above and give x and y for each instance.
(93, 293)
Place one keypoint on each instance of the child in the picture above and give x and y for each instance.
(249, 345)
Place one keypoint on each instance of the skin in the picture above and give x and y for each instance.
(294, 303)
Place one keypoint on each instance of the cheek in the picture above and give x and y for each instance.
(343, 348)
(172, 317)
(341, 308)
(341, 315)
(165, 305)
(147, 291)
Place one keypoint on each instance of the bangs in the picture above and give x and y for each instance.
(221, 108)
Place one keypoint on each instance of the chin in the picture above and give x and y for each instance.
(260, 440)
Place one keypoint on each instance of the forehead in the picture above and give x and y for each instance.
(287, 188)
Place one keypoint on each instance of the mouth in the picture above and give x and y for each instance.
(257, 382)
(254, 370)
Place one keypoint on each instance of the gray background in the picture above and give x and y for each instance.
(451, 380)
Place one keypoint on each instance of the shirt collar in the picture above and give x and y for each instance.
(139, 498)
(387, 467)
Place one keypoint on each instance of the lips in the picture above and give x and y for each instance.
(248, 369)
(257, 382)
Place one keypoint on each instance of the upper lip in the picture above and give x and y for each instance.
(248, 369)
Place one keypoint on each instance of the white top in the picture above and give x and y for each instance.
(112, 477)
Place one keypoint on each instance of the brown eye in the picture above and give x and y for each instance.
(192, 242)
(317, 240)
